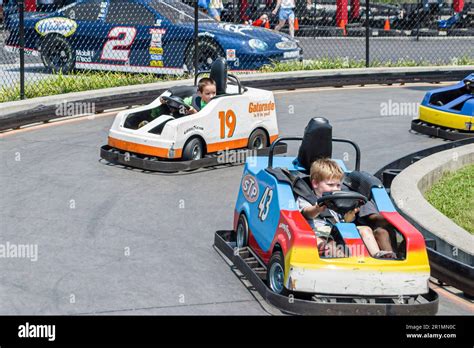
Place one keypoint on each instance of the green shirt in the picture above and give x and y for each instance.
(189, 101)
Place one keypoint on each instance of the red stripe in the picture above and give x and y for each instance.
(414, 239)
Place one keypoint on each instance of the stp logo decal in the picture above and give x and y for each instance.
(250, 188)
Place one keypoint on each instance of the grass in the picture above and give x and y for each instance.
(453, 195)
(77, 82)
(87, 81)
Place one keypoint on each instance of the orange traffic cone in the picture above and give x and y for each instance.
(267, 25)
(342, 24)
(297, 24)
(386, 26)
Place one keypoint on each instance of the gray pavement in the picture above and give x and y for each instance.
(118, 241)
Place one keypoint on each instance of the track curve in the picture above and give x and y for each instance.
(118, 241)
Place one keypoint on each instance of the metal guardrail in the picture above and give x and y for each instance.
(443, 267)
(45, 113)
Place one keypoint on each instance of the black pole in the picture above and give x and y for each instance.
(367, 34)
(196, 36)
(21, 10)
(236, 11)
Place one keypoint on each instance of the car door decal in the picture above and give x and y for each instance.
(227, 120)
(118, 44)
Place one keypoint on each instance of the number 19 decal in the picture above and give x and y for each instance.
(264, 205)
(118, 44)
(228, 120)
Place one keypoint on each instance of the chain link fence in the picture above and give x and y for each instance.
(55, 46)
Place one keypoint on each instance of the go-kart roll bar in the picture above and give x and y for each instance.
(336, 140)
(230, 76)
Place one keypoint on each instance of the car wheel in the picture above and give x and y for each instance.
(242, 232)
(276, 273)
(194, 150)
(258, 140)
(57, 54)
(209, 51)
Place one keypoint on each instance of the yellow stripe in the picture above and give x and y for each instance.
(444, 119)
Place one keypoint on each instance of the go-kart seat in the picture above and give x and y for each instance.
(317, 142)
(219, 75)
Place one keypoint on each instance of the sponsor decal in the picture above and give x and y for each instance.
(156, 63)
(156, 50)
(235, 28)
(59, 25)
(206, 34)
(261, 109)
(285, 228)
(230, 55)
(156, 57)
(156, 36)
(193, 128)
(158, 22)
(84, 56)
(250, 188)
(292, 54)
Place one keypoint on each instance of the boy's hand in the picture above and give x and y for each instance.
(319, 208)
(350, 215)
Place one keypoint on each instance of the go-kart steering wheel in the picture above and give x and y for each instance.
(176, 103)
(342, 201)
(469, 83)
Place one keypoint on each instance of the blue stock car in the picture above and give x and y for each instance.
(143, 36)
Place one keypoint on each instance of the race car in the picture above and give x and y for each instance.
(270, 227)
(237, 117)
(144, 36)
(448, 112)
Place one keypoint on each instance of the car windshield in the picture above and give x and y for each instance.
(177, 12)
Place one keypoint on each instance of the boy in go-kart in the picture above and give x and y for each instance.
(206, 91)
(326, 176)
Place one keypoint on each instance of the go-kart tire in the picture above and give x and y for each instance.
(258, 140)
(193, 150)
(209, 51)
(57, 54)
(276, 273)
(242, 232)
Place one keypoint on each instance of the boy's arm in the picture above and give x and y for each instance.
(309, 211)
(189, 101)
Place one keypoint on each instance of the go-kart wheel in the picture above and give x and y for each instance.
(194, 150)
(57, 54)
(258, 140)
(242, 232)
(209, 51)
(276, 273)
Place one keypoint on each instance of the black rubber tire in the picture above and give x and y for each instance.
(242, 236)
(258, 139)
(193, 150)
(209, 51)
(57, 54)
(278, 259)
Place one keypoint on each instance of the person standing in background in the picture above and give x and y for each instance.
(287, 13)
(215, 9)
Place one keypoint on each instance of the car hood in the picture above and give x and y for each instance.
(243, 32)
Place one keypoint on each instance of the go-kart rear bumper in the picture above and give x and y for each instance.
(149, 163)
(224, 241)
(440, 132)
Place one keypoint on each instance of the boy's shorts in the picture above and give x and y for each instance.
(366, 210)
(214, 12)
(286, 13)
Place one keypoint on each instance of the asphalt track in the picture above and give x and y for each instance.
(118, 241)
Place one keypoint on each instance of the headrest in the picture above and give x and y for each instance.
(317, 142)
(219, 75)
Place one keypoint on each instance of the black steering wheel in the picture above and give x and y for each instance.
(176, 103)
(469, 83)
(342, 201)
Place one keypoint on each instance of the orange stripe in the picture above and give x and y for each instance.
(227, 145)
(142, 149)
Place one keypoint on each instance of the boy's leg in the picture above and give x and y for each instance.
(280, 24)
(383, 239)
(369, 239)
(291, 23)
